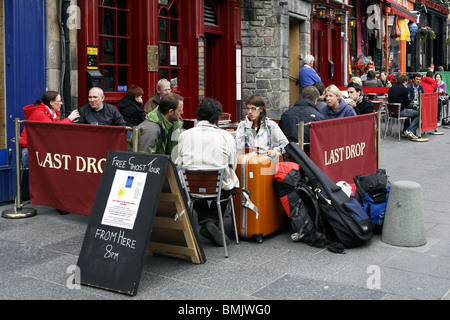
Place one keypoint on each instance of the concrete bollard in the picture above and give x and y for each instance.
(404, 224)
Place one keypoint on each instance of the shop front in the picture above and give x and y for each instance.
(193, 44)
(328, 44)
(379, 36)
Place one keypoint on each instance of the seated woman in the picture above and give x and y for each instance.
(131, 107)
(47, 110)
(357, 100)
(258, 131)
(443, 99)
(384, 80)
(336, 106)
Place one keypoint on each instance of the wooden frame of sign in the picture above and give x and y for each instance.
(140, 207)
(174, 236)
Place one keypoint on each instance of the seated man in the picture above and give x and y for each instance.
(99, 112)
(357, 100)
(163, 88)
(399, 94)
(372, 80)
(159, 132)
(414, 88)
(208, 146)
(304, 110)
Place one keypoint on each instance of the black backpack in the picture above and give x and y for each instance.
(301, 205)
(372, 191)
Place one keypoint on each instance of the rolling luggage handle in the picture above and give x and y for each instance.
(248, 203)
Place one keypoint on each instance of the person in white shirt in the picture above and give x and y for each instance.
(208, 146)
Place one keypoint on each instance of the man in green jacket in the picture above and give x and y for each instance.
(159, 132)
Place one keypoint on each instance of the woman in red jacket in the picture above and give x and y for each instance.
(46, 110)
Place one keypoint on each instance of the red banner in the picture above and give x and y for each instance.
(66, 162)
(429, 111)
(344, 148)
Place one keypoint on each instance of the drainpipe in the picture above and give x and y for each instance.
(66, 68)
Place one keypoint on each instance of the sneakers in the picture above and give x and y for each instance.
(211, 232)
(409, 134)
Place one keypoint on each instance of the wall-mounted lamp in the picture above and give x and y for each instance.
(163, 2)
(339, 18)
(320, 12)
(352, 21)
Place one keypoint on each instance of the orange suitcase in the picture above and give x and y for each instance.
(258, 208)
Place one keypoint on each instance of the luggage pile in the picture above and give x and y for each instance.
(321, 213)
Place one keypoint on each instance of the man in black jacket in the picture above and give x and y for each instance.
(357, 100)
(99, 112)
(304, 110)
(399, 94)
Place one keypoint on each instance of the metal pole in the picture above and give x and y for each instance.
(18, 211)
(135, 139)
(301, 134)
(378, 118)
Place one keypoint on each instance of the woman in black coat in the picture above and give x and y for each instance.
(131, 106)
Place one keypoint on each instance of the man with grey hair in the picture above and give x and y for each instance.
(163, 88)
(304, 110)
(308, 76)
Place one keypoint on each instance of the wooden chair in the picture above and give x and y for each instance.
(204, 185)
(371, 96)
(393, 110)
(225, 116)
(380, 106)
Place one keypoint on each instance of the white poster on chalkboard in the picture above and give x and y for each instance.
(124, 199)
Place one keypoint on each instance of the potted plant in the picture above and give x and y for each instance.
(425, 33)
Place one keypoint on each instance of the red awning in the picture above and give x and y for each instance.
(402, 12)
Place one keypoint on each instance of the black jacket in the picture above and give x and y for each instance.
(399, 94)
(365, 106)
(131, 110)
(303, 110)
(108, 115)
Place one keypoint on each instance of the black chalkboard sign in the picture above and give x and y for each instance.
(120, 226)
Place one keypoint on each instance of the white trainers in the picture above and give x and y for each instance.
(409, 134)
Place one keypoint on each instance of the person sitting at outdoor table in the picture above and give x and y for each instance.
(384, 80)
(428, 83)
(414, 88)
(304, 110)
(131, 107)
(372, 80)
(98, 112)
(208, 146)
(257, 130)
(336, 106)
(357, 100)
(158, 133)
(163, 88)
(321, 100)
(47, 110)
(399, 94)
(443, 97)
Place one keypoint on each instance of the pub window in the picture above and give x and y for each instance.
(114, 37)
(169, 23)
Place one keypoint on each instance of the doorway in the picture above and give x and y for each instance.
(212, 65)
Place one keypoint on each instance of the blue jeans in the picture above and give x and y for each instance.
(25, 157)
(414, 117)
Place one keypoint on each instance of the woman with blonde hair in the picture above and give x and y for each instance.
(257, 130)
(336, 106)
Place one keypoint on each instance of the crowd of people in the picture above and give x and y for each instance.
(160, 126)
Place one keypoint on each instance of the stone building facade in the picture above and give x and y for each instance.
(275, 37)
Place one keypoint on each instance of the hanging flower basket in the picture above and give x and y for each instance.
(425, 33)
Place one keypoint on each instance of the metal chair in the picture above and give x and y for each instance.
(204, 185)
(393, 110)
(380, 106)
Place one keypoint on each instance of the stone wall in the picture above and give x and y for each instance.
(265, 54)
(53, 53)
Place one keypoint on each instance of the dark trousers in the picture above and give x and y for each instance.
(207, 212)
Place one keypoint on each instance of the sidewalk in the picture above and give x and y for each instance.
(35, 253)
